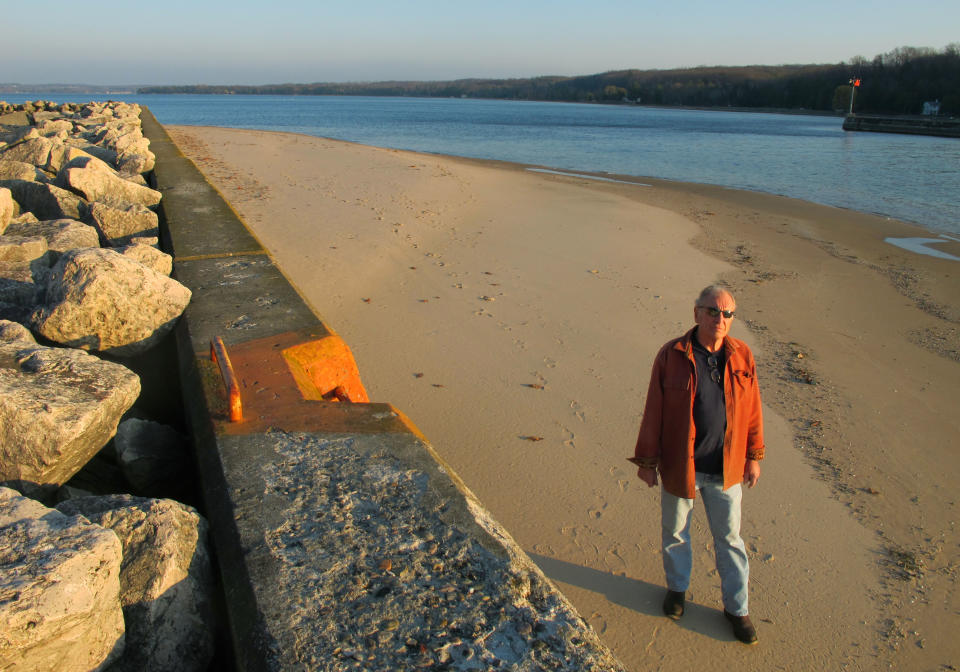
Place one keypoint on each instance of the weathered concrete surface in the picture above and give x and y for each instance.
(365, 553)
(59, 590)
(166, 581)
(344, 542)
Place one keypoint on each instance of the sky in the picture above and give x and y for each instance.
(244, 42)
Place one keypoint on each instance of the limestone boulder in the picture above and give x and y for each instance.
(117, 134)
(11, 135)
(93, 109)
(35, 151)
(22, 248)
(7, 208)
(153, 457)
(24, 218)
(59, 590)
(61, 235)
(108, 156)
(14, 332)
(152, 241)
(24, 268)
(46, 201)
(17, 118)
(22, 288)
(53, 126)
(149, 256)
(135, 163)
(96, 181)
(58, 408)
(46, 115)
(131, 142)
(97, 299)
(62, 153)
(119, 222)
(166, 581)
(18, 170)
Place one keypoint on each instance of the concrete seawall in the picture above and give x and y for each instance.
(343, 539)
(939, 126)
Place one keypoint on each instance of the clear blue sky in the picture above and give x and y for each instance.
(243, 42)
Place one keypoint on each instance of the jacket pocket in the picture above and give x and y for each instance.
(744, 378)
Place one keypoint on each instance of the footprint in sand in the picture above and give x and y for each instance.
(613, 560)
(597, 622)
(597, 511)
(540, 379)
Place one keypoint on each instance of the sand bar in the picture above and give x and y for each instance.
(513, 315)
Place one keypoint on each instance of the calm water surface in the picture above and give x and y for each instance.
(914, 178)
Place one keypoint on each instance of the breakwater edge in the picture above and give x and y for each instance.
(405, 568)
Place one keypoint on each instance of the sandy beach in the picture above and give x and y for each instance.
(513, 315)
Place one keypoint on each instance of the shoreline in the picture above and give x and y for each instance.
(643, 181)
(863, 193)
(378, 240)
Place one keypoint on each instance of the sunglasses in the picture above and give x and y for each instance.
(716, 312)
(714, 370)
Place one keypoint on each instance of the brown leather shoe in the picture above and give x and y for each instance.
(742, 628)
(673, 604)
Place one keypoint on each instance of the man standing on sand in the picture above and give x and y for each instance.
(702, 430)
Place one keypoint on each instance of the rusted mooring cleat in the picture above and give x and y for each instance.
(218, 353)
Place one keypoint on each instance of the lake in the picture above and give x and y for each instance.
(913, 178)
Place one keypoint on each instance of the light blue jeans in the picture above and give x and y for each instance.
(723, 514)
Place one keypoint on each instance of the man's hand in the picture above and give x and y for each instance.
(648, 476)
(751, 473)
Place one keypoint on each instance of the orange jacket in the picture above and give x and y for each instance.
(667, 431)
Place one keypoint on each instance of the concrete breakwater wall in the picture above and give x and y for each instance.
(914, 125)
(343, 539)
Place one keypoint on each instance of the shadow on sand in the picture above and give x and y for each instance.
(639, 596)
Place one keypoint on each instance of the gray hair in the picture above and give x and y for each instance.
(711, 291)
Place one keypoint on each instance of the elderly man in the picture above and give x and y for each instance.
(702, 429)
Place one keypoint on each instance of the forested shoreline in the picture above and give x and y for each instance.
(898, 82)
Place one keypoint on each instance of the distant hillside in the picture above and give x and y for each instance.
(77, 89)
(898, 82)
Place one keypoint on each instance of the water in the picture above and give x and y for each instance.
(913, 178)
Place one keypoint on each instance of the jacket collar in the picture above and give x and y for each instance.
(685, 343)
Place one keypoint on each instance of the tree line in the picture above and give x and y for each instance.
(897, 82)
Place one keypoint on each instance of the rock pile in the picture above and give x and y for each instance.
(111, 582)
